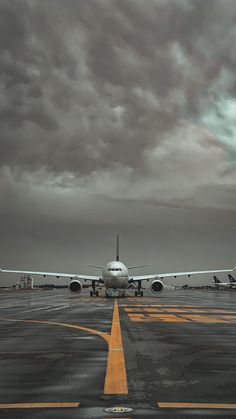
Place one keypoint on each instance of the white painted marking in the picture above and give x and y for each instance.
(35, 309)
(58, 308)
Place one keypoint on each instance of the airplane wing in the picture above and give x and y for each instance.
(136, 278)
(175, 274)
(55, 274)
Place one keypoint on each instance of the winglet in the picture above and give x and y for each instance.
(117, 248)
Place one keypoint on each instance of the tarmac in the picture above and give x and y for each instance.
(73, 356)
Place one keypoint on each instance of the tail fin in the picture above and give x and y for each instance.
(216, 280)
(231, 279)
(117, 248)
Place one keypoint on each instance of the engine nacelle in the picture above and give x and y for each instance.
(75, 286)
(157, 286)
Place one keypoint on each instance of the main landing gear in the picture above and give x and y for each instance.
(139, 292)
(93, 293)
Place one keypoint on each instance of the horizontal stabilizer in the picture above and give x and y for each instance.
(95, 266)
(137, 267)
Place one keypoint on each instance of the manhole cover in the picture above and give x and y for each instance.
(118, 409)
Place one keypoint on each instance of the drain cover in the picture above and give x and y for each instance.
(118, 409)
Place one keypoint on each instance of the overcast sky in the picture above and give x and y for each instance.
(117, 116)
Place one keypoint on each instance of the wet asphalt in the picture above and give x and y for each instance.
(179, 347)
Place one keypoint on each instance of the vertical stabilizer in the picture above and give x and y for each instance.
(231, 279)
(216, 280)
(117, 248)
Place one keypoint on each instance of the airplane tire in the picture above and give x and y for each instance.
(141, 293)
(136, 293)
(91, 293)
(96, 294)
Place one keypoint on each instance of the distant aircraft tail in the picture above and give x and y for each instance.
(231, 279)
(216, 280)
(117, 248)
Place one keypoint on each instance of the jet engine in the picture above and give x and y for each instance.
(157, 286)
(75, 286)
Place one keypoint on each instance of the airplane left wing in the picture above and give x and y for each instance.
(176, 274)
(136, 278)
(55, 274)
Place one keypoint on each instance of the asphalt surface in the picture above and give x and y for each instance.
(179, 347)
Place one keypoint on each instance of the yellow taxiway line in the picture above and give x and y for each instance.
(38, 405)
(116, 379)
(105, 336)
(173, 405)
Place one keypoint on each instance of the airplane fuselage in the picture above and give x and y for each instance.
(115, 275)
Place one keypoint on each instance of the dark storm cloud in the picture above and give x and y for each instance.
(84, 84)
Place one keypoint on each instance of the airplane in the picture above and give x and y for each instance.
(232, 280)
(115, 277)
(219, 284)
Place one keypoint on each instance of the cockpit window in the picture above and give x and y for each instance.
(115, 269)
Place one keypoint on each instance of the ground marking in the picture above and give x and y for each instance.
(58, 308)
(36, 309)
(173, 405)
(37, 405)
(179, 315)
(116, 379)
(104, 335)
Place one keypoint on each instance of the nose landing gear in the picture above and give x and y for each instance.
(94, 294)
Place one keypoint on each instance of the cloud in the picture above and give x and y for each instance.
(116, 111)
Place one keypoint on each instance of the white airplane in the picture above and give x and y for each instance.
(115, 277)
(232, 280)
(219, 284)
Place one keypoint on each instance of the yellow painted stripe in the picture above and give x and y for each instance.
(38, 405)
(116, 379)
(103, 335)
(172, 405)
(203, 318)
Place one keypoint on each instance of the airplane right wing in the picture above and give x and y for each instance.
(55, 274)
